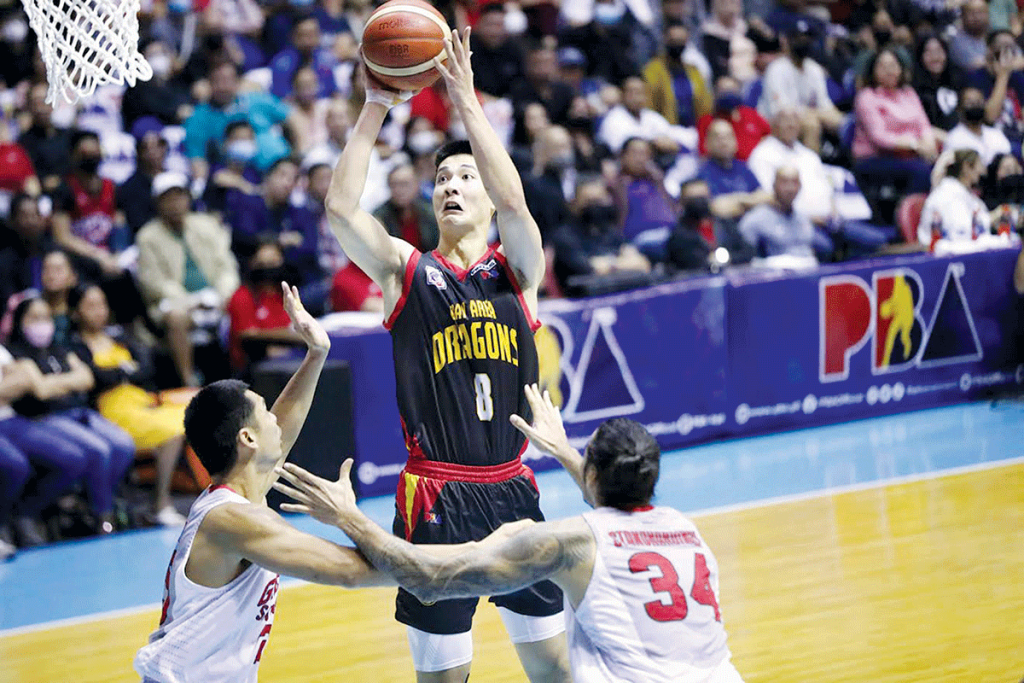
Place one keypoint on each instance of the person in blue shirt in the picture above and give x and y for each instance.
(271, 212)
(236, 173)
(304, 50)
(734, 187)
(204, 130)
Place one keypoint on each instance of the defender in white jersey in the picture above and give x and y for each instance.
(220, 591)
(640, 584)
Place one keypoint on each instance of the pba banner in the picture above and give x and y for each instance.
(657, 356)
(749, 353)
(888, 336)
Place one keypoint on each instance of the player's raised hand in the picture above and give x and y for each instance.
(311, 331)
(377, 91)
(546, 432)
(457, 70)
(326, 501)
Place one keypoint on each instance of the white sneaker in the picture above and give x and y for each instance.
(168, 516)
(7, 550)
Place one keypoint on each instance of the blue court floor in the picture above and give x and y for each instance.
(77, 580)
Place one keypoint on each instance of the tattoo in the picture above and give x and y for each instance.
(528, 557)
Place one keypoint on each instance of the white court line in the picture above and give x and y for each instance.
(286, 582)
(862, 486)
(707, 512)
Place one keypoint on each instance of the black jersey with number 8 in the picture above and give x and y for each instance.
(464, 350)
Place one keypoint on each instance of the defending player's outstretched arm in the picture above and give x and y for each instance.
(548, 434)
(258, 534)
(363, 238)
(520, 236)
(292, 406)
(561, 551)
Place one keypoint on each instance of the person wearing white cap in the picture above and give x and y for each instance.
(186, 269)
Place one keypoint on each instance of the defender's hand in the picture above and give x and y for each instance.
(326, 501)
(546, 432)
(311, 331)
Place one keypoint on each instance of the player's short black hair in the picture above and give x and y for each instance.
(79, 135)
(213, 419)
(627, 460)
(450, 149)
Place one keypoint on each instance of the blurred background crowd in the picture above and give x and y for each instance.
(147, 229)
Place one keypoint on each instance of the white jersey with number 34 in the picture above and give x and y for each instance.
(650, 613)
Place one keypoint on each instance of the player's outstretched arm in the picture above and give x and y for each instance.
(363, 238)
(292, 406)
(548, 434)
(258, 534)
(527, 554)
(520, 236)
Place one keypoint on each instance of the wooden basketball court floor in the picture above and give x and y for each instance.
(889, 549)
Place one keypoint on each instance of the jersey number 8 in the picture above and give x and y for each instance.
(484, 402)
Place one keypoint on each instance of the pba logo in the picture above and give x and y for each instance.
(890, 317)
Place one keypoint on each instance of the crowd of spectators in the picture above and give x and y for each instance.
(146, 228)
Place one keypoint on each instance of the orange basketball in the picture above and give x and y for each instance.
(400, 40)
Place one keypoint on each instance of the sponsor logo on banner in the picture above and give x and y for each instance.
(369, 472)
(889, 317)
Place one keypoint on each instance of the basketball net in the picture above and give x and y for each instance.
(86, 44)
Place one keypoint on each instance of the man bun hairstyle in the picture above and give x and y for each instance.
(627, 460)
(213, 419)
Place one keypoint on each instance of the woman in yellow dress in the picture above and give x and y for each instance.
(123, 369)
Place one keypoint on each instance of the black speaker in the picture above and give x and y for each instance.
(328, 436)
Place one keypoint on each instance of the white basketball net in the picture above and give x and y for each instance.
(86, 44)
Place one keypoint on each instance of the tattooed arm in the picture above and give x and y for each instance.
(561, 551)
(549, 550)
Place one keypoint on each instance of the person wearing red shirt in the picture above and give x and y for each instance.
(256, 310)
(353, 290)
(749, 126)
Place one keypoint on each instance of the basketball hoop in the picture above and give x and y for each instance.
(86, 44)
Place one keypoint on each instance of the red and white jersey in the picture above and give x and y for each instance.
(209, 635)
(650, 613)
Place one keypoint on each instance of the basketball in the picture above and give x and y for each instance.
(400, 41)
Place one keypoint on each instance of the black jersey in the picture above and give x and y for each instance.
(464, 350)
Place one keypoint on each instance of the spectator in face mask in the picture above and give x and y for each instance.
(678, 91)
(236, 176)
(697, 238)
(105, 447)
(85, 213)
(160, 96)
(1004, 183)
(748, 126)
(256, 309)
(972, 133)
(591, 242)
(606, 41)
